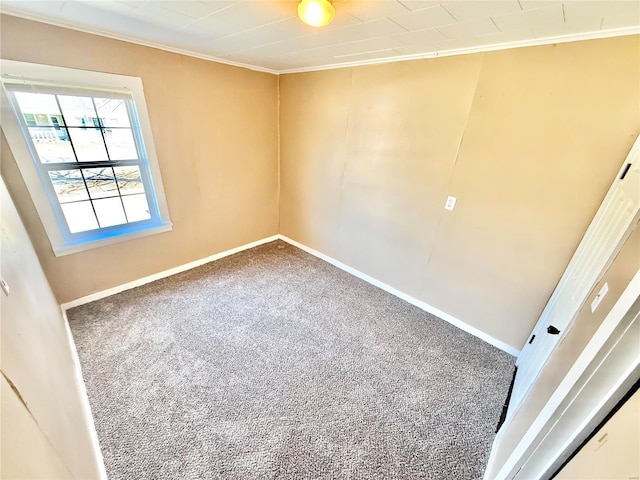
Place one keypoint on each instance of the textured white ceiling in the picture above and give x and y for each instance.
(267, 35)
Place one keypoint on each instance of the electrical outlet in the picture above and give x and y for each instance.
(451, 203)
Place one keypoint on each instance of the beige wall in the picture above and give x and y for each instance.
(528, 139)
(25, 451)
(614, 452)
(215, 130)
(44, 432)
(617, 276)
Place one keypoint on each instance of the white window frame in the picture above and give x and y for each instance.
(13, 132)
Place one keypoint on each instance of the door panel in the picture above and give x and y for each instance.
(613, 222)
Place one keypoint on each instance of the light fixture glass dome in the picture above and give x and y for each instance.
(316, 13)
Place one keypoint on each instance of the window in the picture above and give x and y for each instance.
(89, 145)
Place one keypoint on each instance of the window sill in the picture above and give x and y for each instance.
(68, 249)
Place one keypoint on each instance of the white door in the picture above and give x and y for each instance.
(614, 220)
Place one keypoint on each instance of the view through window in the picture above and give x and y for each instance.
(87, 147)
(84, 146)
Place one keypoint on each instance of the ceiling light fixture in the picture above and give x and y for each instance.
(316, 13)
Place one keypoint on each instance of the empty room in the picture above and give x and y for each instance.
(315, 239)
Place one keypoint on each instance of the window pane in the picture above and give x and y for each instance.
(78, 111)
(68, 185)
(109, 211)
(80, 216)
(112, 112)
(30, 119)
(42, 119)
(120, 144)
(52, 145)
(88, 144)
(100, 182)
(136, 207)
(38, 108)
(129, 180)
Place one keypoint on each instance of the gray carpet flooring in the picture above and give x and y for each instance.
(274, 364)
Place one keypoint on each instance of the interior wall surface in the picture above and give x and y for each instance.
(215, 131)
(614, 452)
(44, 428)
(528, 140)
(617, 277)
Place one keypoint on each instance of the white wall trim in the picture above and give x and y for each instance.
(388, 288)
(407, 298)
(165, 273)
(136, 41)
(575, 37)
(597, 342)
(14, 72)
(84, 401)
(535, 42)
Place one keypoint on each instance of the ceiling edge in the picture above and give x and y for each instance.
(616, 32)
(137, 41)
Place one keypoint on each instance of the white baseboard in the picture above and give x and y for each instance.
(388, 288)
(407, 298)
(84, 401)
(166, 273)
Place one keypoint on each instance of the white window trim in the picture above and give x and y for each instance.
(29, 172)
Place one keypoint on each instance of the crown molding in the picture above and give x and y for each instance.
(124, 38)
(616, 32)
